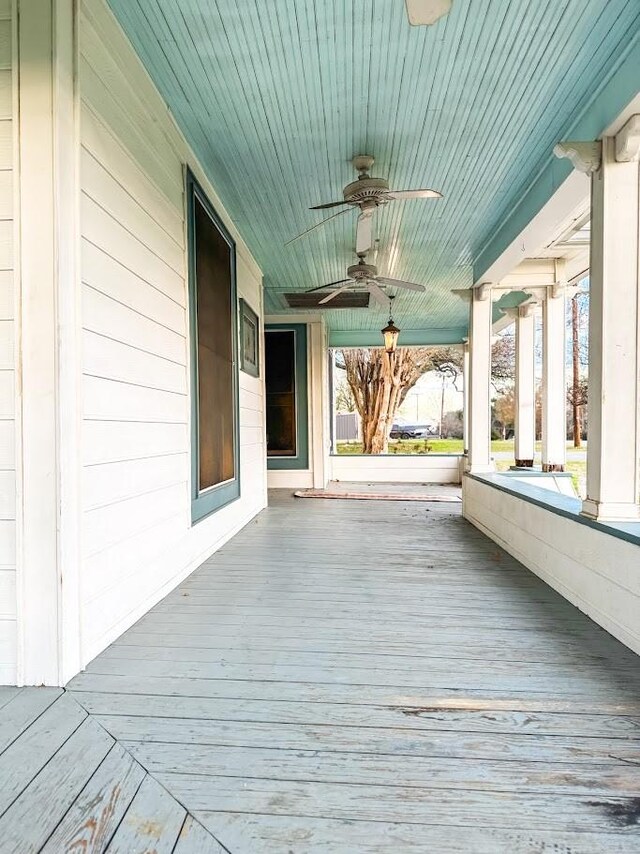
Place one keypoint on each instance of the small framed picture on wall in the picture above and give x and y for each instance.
(249, 340)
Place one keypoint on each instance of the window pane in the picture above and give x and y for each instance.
(215, 351)
(280, 366)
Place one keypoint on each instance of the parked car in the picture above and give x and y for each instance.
(410, 431)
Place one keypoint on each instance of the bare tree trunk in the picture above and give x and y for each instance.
(379, 382)
(575, 354)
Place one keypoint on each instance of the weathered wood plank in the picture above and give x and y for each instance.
(23, 759)
(534, 650)
(402, 804)
(402, 717)
(267, 833)
(22, 709)
(100, 807)
(345, 659)
(437, 674)
(561, 778)
(526, 700)
(374, 739)
(152, 823)
(194, 839)
(34, 816)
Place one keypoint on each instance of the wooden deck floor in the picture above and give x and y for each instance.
(349, 677)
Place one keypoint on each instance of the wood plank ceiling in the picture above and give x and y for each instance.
(277, 97)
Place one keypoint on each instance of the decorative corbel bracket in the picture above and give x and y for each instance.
(585, 156)
(477, 292)
(524, 309)
(628, 141)
(482, 291)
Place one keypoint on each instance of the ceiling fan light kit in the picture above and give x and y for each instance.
(391, 332)
(426, 12)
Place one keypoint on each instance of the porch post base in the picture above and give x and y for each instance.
(524, 464)
(610, 511)
(481, 468)
(551, 467)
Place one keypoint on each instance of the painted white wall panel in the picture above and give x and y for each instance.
(396, 469)
(138, 541)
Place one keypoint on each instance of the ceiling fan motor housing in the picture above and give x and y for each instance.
(362, 271)
(366, 190)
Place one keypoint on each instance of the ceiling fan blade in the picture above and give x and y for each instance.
(378, 294)
(398, 283)
(413, 194)
(328, 285)
(334, 294)
(364, 233)
(313, 227)
(328, 205)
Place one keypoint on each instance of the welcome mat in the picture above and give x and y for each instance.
(376, 496)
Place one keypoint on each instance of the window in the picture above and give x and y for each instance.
(214, 379)
(286, 389)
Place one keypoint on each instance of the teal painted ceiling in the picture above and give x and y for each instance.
(276, 97)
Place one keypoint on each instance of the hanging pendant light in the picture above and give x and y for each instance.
(390, 332)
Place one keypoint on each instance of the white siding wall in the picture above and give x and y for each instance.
(7, 360)
(138, 541)
(396, 468)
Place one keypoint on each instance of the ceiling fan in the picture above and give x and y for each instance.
(367, 194)
(363, 275)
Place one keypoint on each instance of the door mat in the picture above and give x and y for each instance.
(376, 496)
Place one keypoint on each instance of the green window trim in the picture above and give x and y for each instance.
(301, 460)
(208, 501)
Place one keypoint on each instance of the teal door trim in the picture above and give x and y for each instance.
(207, 501)
(301, 460)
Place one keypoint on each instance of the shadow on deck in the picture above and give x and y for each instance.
(372, 677)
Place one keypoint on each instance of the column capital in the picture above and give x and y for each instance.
(544, 292)
(628, 141)
(585, 156)
(482, 292)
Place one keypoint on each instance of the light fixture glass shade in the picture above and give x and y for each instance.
(390, 334)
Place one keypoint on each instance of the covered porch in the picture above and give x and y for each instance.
(302, 693)
(282, 675)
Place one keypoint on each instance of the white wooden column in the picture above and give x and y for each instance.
(480, 334)
(614, 332)
(525, 421)
(48, 286)
(465, 396)
(554, 404)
